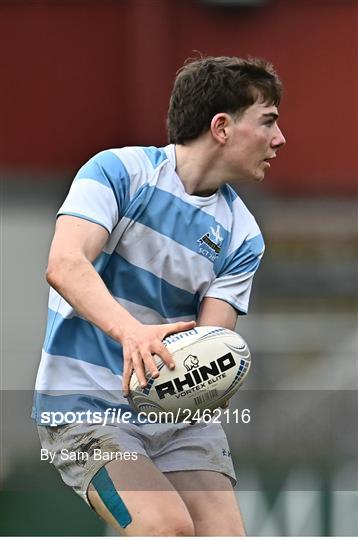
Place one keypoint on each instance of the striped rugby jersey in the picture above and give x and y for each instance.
(166, 251)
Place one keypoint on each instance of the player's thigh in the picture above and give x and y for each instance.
(138, 500)
(211, 502)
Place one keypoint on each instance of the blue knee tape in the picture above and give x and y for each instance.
(108, 493)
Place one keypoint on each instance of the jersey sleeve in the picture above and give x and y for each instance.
(234, 281)
(100, 191)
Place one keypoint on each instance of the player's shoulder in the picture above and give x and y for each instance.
(237, 206)
(132, 158)
(124, 170)
(245, 233)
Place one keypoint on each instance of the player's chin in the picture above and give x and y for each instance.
(258, 176)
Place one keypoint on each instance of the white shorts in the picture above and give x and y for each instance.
(81, 450)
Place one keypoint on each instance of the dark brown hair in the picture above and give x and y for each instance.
(210, 85)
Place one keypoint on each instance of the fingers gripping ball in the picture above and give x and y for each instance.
(211, 364)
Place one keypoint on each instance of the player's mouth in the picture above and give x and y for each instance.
(267, 160)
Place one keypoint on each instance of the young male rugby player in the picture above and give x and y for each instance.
(127, 267)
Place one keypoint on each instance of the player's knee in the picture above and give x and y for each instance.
(170, 526)
(180, 528)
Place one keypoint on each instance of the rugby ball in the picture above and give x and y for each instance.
(211, 364)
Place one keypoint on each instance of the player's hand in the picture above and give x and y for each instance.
(140, 343)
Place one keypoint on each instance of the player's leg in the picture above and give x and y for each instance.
(211, 502)
(136, 499)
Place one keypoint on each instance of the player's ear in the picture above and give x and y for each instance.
(220, 127)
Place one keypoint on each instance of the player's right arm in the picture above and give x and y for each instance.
(76, 244)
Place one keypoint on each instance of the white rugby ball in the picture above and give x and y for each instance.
(211, 364)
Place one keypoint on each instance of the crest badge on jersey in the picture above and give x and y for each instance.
(210, 243)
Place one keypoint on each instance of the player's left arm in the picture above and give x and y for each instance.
(216, 312)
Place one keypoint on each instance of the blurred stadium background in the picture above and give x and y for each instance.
(78, 76)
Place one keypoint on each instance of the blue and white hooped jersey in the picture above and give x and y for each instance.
(166, 251)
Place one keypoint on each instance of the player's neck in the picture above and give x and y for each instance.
(195, 168)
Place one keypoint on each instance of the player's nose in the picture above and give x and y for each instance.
(278, 139)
